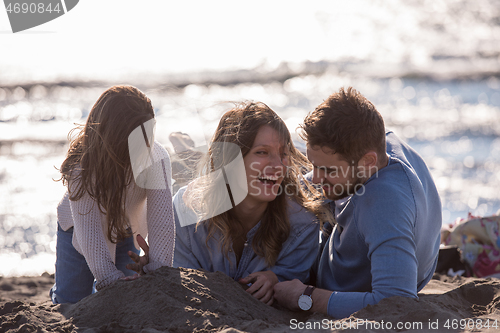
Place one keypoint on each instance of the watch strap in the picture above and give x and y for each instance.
(309, 290)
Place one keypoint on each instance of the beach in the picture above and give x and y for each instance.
(185, 300)
(432, 69)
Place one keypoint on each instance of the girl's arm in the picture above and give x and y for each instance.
(89, 239)
(160, 217)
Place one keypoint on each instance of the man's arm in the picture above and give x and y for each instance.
(287, 294)
(393, 261)
(393, 273)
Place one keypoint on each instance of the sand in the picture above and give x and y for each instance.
(185, 300)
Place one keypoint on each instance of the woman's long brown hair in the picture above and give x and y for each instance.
(100, 153)
(240, 126)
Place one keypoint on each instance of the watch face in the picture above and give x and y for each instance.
(305, 302)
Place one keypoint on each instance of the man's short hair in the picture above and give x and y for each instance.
(347, 123)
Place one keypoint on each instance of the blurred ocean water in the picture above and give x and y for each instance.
(432, 68)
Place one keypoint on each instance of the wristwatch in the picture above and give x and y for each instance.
(305, 300)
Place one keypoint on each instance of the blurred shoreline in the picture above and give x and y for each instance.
(441, 69)
(431, 67)
(453, 123)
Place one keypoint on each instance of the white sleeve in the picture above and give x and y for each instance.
(90, 240)
(160, 217)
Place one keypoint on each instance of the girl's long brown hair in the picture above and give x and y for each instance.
(240, 126)
(100, 153)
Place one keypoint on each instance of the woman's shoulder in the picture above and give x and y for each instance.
(186, 217)
(177, 199)
(74, 178)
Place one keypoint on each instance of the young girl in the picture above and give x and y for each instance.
(246, 215)
(104, 205)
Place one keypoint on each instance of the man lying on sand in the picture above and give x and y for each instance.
(387, 208)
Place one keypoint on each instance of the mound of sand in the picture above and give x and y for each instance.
(185, 300)
(464, 305)
(180, 300)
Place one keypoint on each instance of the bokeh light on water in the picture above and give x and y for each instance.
(432, 68)
(454, 125)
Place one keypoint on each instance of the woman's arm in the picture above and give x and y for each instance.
(183, 255)
(90, 241)
(299, 252)
(160, 217)
(262, 286)
(294, 261)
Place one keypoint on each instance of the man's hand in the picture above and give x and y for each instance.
(140, 262)
(262, 285)
(287, 293)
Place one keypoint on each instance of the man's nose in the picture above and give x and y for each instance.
(318, 176)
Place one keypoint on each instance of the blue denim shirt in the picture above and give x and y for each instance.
(386, 240)
(294, 261)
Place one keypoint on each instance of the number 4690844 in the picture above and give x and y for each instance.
(470, 324)
(32, 8)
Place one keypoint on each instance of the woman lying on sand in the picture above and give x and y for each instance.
(245, 216)
(104, 206)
